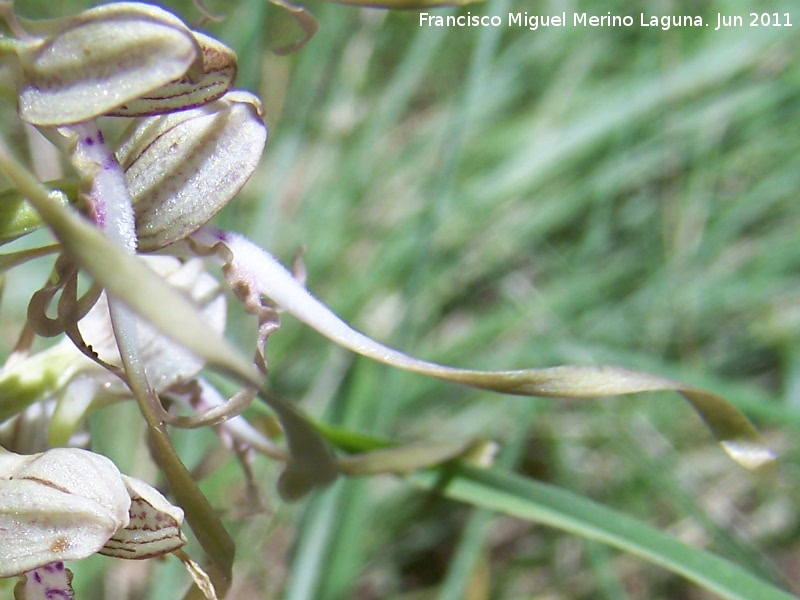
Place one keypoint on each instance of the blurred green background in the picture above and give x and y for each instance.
(502, 198)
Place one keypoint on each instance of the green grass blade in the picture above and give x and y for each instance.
(542, 503)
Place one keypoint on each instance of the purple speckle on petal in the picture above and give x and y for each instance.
(100, 137)
(100, 214)
(53, 593)
(89, 141)
(36, 577)
(110, 163)
(221, 235)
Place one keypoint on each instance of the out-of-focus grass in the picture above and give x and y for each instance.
(502, 198)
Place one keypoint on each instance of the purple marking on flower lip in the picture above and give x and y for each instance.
(37, 577)
(100, 214)
(110, 163)
(220, 235)
(100, 137)
(52, 593)
(89, 141)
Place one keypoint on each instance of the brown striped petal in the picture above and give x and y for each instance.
(99, 60)
(154, 528)
(197, 87)
(182, 168)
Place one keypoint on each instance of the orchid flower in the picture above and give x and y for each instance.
(68, 503)
(174, 170)
(150, 323)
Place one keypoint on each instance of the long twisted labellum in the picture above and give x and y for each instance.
(246, 262)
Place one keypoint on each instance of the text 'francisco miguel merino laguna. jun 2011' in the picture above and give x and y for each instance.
(664, 22)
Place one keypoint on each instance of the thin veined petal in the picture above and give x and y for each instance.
(79, 473)
(42, 525)
(304, 19)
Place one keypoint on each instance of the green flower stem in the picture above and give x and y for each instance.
(12, 259)
(114, 214)
(201, 516)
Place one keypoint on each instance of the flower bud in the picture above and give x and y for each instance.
(63, 504)
(69, 503)
(86, 66)
(182, 168)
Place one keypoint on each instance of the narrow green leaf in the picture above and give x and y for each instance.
(406, 458)
(474, 543)
(541, 503)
